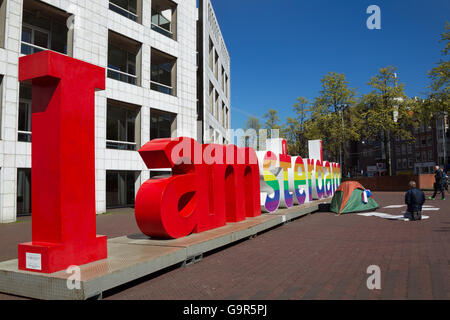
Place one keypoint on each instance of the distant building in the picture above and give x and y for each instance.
(416, 157)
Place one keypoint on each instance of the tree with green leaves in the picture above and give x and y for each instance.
(437, 105)
(272, 121)
(387, 111)
(254, 125)
(294, 130)
(333, 117)
(440, 75)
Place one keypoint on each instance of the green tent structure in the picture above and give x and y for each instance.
(349, 198)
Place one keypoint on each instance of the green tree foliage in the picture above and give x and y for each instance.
(387, 111)
(295, 129)
(272, 121)
(439, 98)
(440, 75)
(252, 123)
(333, 116)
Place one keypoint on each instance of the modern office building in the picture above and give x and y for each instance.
(149, 51)
(213, 78)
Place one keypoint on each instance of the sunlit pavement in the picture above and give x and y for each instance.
(320, 256)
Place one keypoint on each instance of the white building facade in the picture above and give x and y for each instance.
(149, 51)
(214, 79)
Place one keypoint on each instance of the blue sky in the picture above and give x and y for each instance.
(280, 49)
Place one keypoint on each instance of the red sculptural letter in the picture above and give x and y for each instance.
(210, 186)
(168, 207)
(63, 163)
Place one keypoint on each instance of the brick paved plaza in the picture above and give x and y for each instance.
(320, 256)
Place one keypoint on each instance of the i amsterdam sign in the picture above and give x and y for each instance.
(211, 185)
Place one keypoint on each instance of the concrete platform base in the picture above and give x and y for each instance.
(135, 256)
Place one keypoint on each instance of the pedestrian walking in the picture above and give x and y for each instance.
(438, 183)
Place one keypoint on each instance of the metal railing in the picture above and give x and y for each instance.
(123, 12)
(121, 145)
(122, 76)
(162, 31)
(29, 48)
(161, 87)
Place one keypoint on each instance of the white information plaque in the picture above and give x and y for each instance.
(33, 261)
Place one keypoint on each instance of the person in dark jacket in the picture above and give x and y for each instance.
(438, 183)
(415, 199)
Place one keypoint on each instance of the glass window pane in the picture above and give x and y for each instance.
(130, 192)
(23, 200)
(24, 120)
(155, 18)
(112, 189)
(26, 34)
(41, 39)
(117, 59)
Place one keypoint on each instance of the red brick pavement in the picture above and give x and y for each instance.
(320, 256)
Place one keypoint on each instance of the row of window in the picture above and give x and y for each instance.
(123, 128)
(43, 29)
(405, 164)
(120, 189)
(214, 67)
(217, 108)
(425, 156)
(214, 137)
(164, 16)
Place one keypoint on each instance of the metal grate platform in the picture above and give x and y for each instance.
(135, 256)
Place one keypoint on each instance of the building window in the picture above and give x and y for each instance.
(23, 200)
(430, 156)
(211, 98)
(222, 79)
(2, 22)
(211, 134)
(123, 126)
(227, 123)
(44, 28)
(164, 75)
(124, 57)
(162, 124)
(127, 8)
(1, 102)
(216, 65)
(410, 163)
(226, 87)
(120, 188)
(424, 156)
(211, 55)
(410, 149)
(164, 18)
(405, 163)
(223, 114)
(216, 111)
(24, 125)
(417, 156)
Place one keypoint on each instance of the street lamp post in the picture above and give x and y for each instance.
(341, 146)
